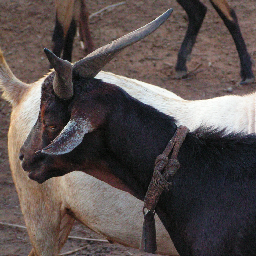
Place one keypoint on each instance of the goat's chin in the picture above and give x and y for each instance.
(42, 176)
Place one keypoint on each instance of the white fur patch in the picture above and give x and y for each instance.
(232, 112)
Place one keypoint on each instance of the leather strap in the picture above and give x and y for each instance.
(164, 168)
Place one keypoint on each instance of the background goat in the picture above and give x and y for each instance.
(97, 127)
(196, 12)
(69, 15)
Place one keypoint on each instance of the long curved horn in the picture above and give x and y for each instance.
(69, 138)
(62, 83)
(92, 64)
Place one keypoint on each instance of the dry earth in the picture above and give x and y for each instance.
(26, 28)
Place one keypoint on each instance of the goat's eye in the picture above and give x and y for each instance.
(52, 127)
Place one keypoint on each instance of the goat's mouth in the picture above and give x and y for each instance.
(41, 176)
(38, 170)
(38, 176)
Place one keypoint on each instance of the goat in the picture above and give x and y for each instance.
(96, 127)
(196, 12)
(69, 13)
(67, 17)
(50, 209)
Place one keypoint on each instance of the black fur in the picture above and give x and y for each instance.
(62, 43)
(212, 203)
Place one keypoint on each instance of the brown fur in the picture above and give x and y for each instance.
(224, 7)
(66, 10)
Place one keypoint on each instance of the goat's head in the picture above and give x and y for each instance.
(68, 112)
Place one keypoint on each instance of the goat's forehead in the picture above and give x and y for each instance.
(49, 79)
(47, 85)
(47, 92)
(48, 97)
(82, 87)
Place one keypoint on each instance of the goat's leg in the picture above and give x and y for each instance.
(32, 253)
(48, 224)
(196, 12)
(84, 29)
(68, 45)
(66, 225)
(46, 232)
(229, 18)
(58, 38)
(50, 234)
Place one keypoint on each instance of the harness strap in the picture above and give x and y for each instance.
(164, 168)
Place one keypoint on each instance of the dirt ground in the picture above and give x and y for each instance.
(26, 28)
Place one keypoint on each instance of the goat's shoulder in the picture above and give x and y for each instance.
(232, 153)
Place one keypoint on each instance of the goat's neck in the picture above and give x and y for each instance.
(136, 135)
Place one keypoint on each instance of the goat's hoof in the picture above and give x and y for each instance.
(248, 81)
(181, 74)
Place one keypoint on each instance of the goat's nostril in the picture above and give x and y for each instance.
(21, 156)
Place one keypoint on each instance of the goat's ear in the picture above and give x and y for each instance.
(70, 137)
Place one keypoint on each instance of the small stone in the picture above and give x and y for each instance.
(229, 89)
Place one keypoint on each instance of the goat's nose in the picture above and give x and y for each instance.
(21, 156)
